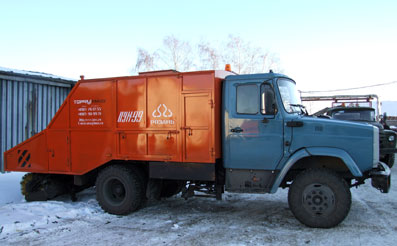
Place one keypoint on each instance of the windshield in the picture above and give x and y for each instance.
(289, 95)
(360, 115)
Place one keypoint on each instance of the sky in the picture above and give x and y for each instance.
(322, 45)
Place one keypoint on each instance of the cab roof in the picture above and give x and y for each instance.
(257, 76)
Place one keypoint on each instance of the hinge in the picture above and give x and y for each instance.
(212, 152)
(67, 140)
(212, 103)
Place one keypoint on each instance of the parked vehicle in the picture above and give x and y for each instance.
(159, 133)
(347, 107)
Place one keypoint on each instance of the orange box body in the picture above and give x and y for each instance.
(161, 116)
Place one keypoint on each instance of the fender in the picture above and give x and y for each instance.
(316, 151)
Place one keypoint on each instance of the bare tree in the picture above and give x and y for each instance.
(210, 57)
(246, 58)
(176, 53)
(235, 52)
(145, 61)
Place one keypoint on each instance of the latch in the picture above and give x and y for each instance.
(190, 132)
(52, 152)
(171, 132)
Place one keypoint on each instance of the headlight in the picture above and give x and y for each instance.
(391, 138)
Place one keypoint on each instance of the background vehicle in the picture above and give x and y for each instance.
(153, 135)
(349, 107)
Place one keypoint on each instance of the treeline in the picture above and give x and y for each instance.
(181, 55)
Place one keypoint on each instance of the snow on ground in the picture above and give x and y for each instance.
(10, 190)
(240, 219)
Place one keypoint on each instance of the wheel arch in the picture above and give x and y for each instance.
(330, 158)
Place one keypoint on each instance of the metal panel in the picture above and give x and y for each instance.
(182, 171)
(26, 107)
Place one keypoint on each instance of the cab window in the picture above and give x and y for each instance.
(247, 99)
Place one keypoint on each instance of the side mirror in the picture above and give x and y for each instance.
(268, 100)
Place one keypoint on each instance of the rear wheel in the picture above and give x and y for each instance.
(119, 190)
(319, 198)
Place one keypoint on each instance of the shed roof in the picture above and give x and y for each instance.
(35, 77)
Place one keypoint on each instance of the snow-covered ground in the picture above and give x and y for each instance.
(239, 219)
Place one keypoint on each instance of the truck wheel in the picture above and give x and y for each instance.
(319, 198)
(119, 190)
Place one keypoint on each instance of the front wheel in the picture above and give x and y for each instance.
(319, 198)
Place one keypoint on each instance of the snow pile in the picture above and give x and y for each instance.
(10, 190)
(46, 75)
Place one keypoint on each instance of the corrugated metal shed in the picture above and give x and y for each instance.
(29, 100)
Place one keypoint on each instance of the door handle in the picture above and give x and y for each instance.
(295, 123)
(237, 130)
(265, 120)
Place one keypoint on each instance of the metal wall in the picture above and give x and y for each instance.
(27, 106)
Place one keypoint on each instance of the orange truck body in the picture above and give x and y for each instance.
(162, 116)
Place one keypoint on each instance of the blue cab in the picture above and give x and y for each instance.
(269, 141)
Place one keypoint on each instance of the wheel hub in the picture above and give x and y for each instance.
(115, 191)
(318, 199)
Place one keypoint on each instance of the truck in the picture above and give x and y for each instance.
(198, 133)
(360, 108)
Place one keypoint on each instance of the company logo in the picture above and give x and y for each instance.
(89, 101)
(86, 101)
(165, 113)
(162, 111)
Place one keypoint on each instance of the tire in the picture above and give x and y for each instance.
(119, 190)
(319, 198)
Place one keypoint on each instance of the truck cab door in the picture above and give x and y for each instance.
(253, 127)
